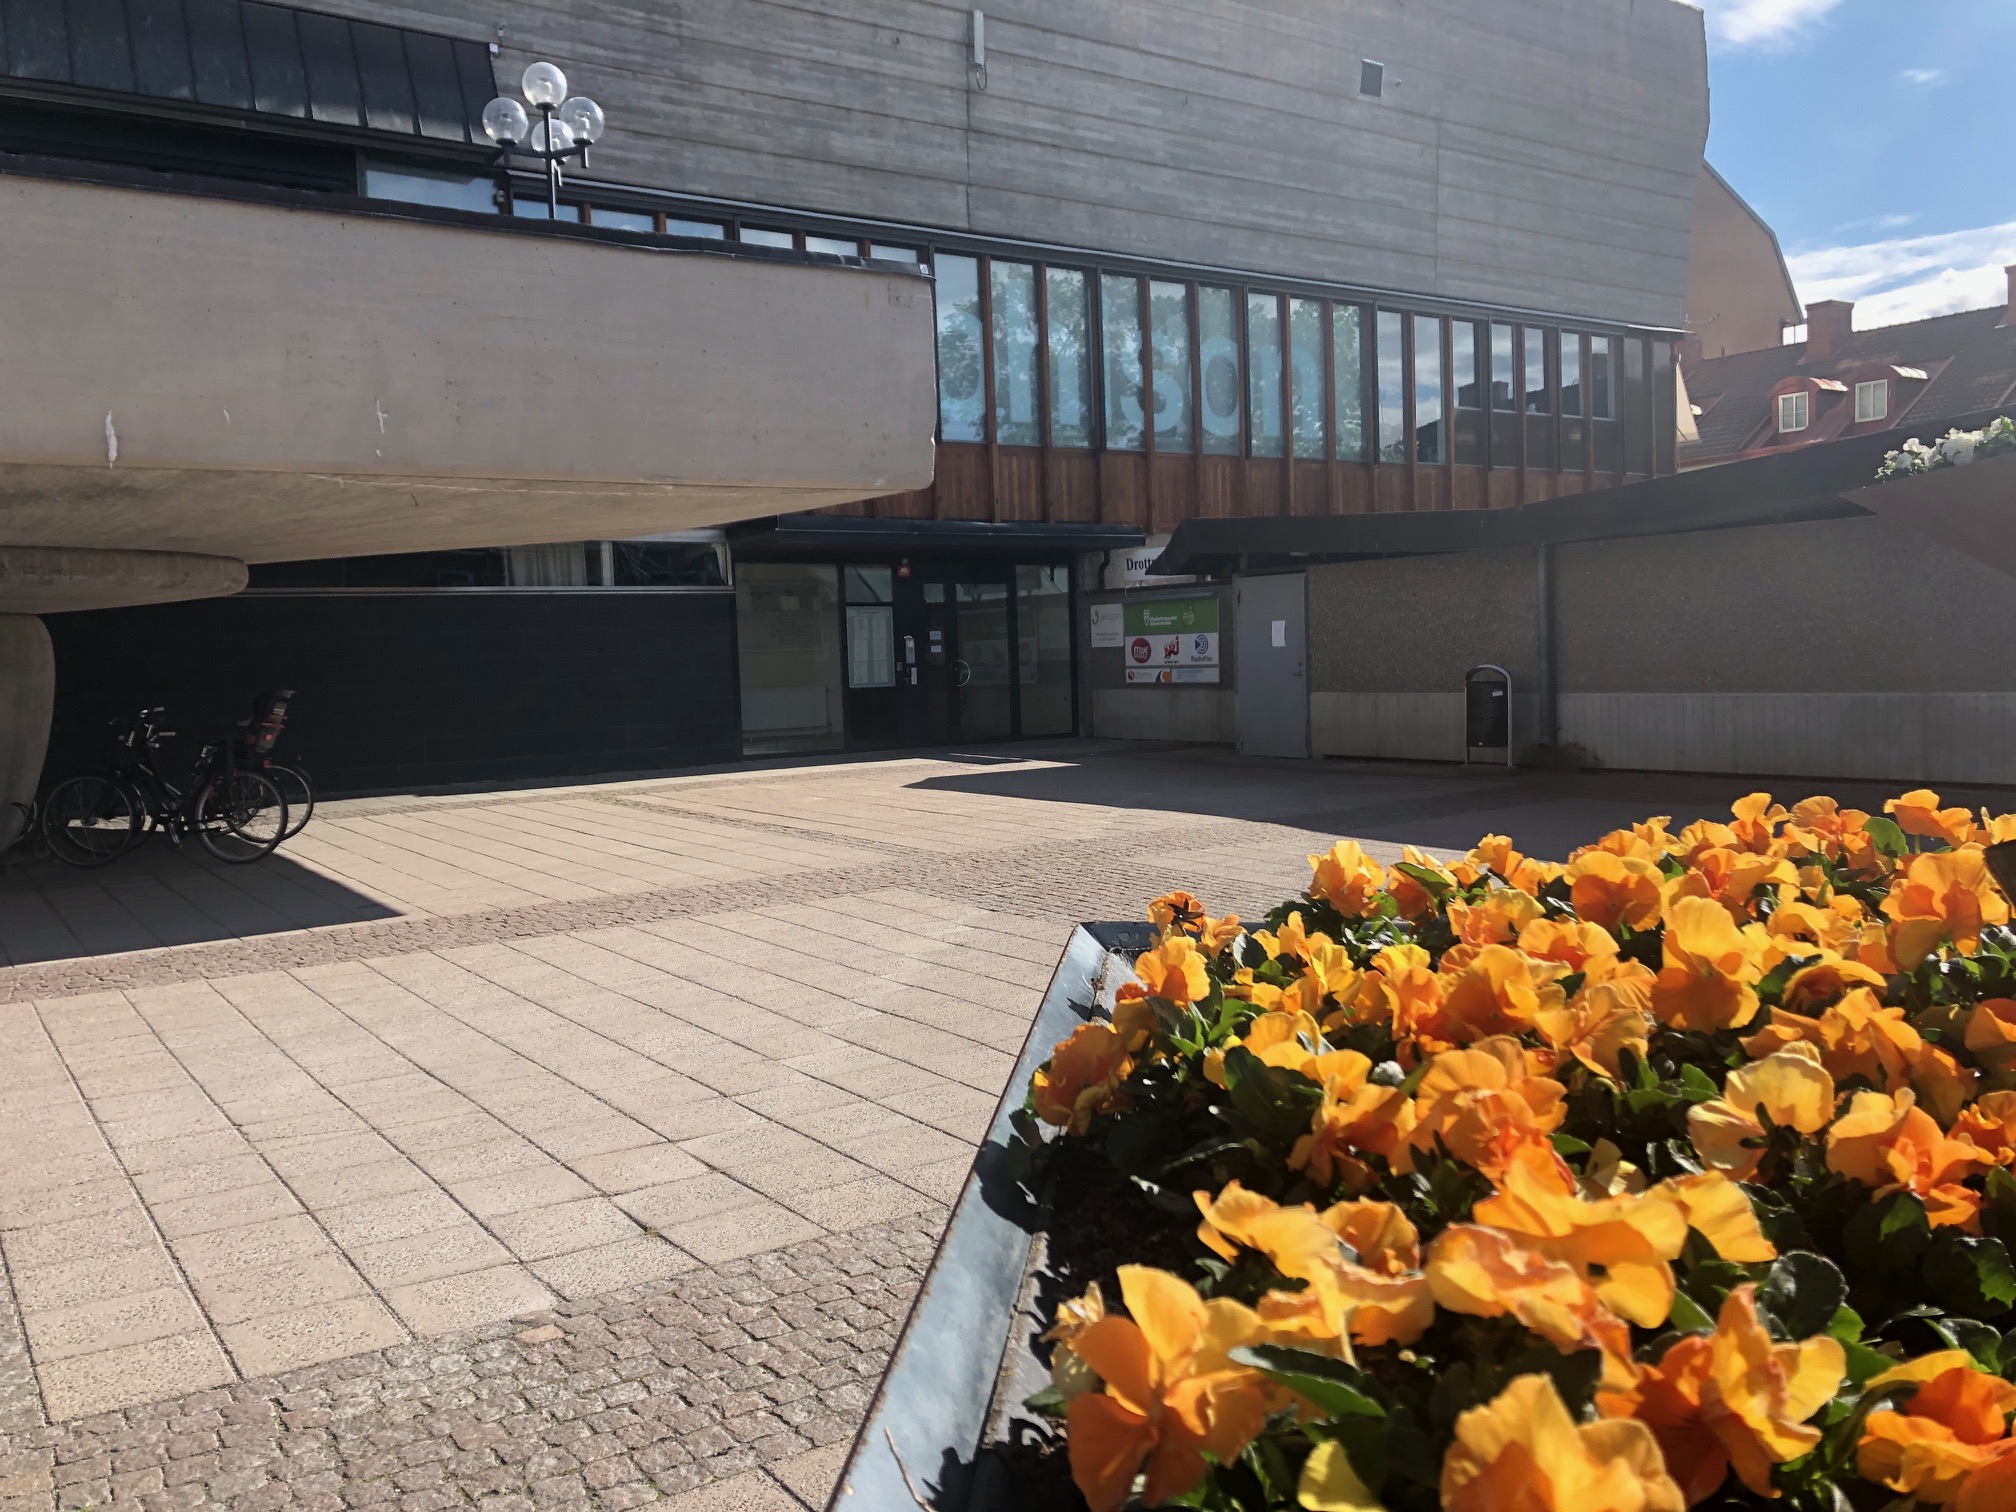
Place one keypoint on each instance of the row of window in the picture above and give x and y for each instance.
(1872, 402)
(1031, 355)
(1037, 355)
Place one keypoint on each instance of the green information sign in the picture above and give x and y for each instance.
(1172, 640)
(1162, 616)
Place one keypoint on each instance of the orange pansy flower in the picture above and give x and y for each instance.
(1990, 1125)
(1755, 826)
(1174, 970)
(1730, 877)
(1608, 889)
(1941, 894)
(1790, 1088)
(1991, 1033)
(1170, 1396)
(1486, 1273)
(1498, 991)
(1081, 1078)
(1737, 1398)
(1483, 1104)
(1710, 966)
(1346, 878)
(1918, 813)
(1892, 1145)
(1357, 1117)
(1177, 910)
(1522, 1452)
(1948, 1444)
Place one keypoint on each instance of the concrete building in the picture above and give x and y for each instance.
(1740, 296)
(1261, 259)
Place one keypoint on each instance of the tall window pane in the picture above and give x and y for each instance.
(1347, 363)
(787, 631)
(1043, 650)
(1218, 355)
(1263, 373)
(1463, 365)
(961, 393)
(1504, 386)
(1120, 344)
(1539, 400)
(1013, 288)
(1305, 356)
(1431, 442)
(1392, 389)
(1602, 382)
(1070, 358)
(1169, 317)
(1571, 373)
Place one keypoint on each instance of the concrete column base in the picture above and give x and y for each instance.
(27, 703)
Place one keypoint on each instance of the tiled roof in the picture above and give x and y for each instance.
(1971, 357)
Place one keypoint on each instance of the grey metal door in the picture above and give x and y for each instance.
(1273, 641)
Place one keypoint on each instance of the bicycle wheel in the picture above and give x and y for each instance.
(240, 817)
(299, 791)
(90, 820)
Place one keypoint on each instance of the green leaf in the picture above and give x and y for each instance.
(1887, 1237)
(1568, 1144)
(1972, 1277)
(1687, 1315)
(1329, 1385)
(1864, 1363)
(1278, 1103)
(1846, 1324)
(1697, 1085)
(1801, 1294)
(1885, 835)
(1436, 885)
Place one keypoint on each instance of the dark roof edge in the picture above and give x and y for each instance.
(1805, 484)
(865, 531)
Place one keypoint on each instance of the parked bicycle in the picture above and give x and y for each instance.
(255, 743)
(237, 813)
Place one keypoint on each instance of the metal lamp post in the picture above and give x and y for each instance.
(567, 125)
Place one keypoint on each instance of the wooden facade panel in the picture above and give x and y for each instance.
(1468, 488)
(1539, 487)
(1071, 486)
(1390, 494)
(1501, 488)
(1173, 498)
(964, 491)
(1353, 483)
(1431, 488)
(1222, 487)
(1123, 488)
(1311, 494)
(1266, 488)
(917, 504)
(1018, 484)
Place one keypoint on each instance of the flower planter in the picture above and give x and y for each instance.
(962, 1363)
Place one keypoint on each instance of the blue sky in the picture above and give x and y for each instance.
(1872, 135)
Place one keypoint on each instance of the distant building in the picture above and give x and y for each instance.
(1740, 296)
(1842, 382)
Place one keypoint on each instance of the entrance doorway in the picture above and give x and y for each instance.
(1273, 689)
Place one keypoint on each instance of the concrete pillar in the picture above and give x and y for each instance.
(27, 702)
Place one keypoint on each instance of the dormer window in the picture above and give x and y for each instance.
(1872, 400)
(1792, 412)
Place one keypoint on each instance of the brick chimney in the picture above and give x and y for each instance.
(1829, 323)
(2009, 313)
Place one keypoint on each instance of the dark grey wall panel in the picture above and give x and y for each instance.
(412, 689)
(1538, 152)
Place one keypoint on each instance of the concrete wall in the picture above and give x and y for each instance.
(1739, 294)
(1840, 648)
(1541, 152)
(1389, 642)
(263, 383)
(1205, 713)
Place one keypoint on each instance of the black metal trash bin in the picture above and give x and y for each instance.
(1487, 711)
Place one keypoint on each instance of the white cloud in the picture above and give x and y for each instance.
(1924, 77)
(1763, 23)
(1910, 278)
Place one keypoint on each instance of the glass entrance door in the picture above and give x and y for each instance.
(983, 661)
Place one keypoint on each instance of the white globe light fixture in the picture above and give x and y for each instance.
(566, 125)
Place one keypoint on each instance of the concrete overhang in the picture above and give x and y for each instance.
(269, 376)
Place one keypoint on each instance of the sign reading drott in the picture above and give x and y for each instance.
(1173, 641)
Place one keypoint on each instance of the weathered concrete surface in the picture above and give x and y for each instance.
(27, 699)
(271, 383)
(48, 580)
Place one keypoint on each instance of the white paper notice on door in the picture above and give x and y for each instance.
(1280, 629)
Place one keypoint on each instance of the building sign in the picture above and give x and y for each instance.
(1128, 567)
(1172, 641)
(1108, 630)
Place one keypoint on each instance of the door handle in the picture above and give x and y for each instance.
(962, 673)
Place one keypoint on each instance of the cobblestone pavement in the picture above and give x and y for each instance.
(575, 1145)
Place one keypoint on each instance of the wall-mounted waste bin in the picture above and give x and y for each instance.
(1487, 711)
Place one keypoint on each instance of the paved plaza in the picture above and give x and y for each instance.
(578, 1145)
